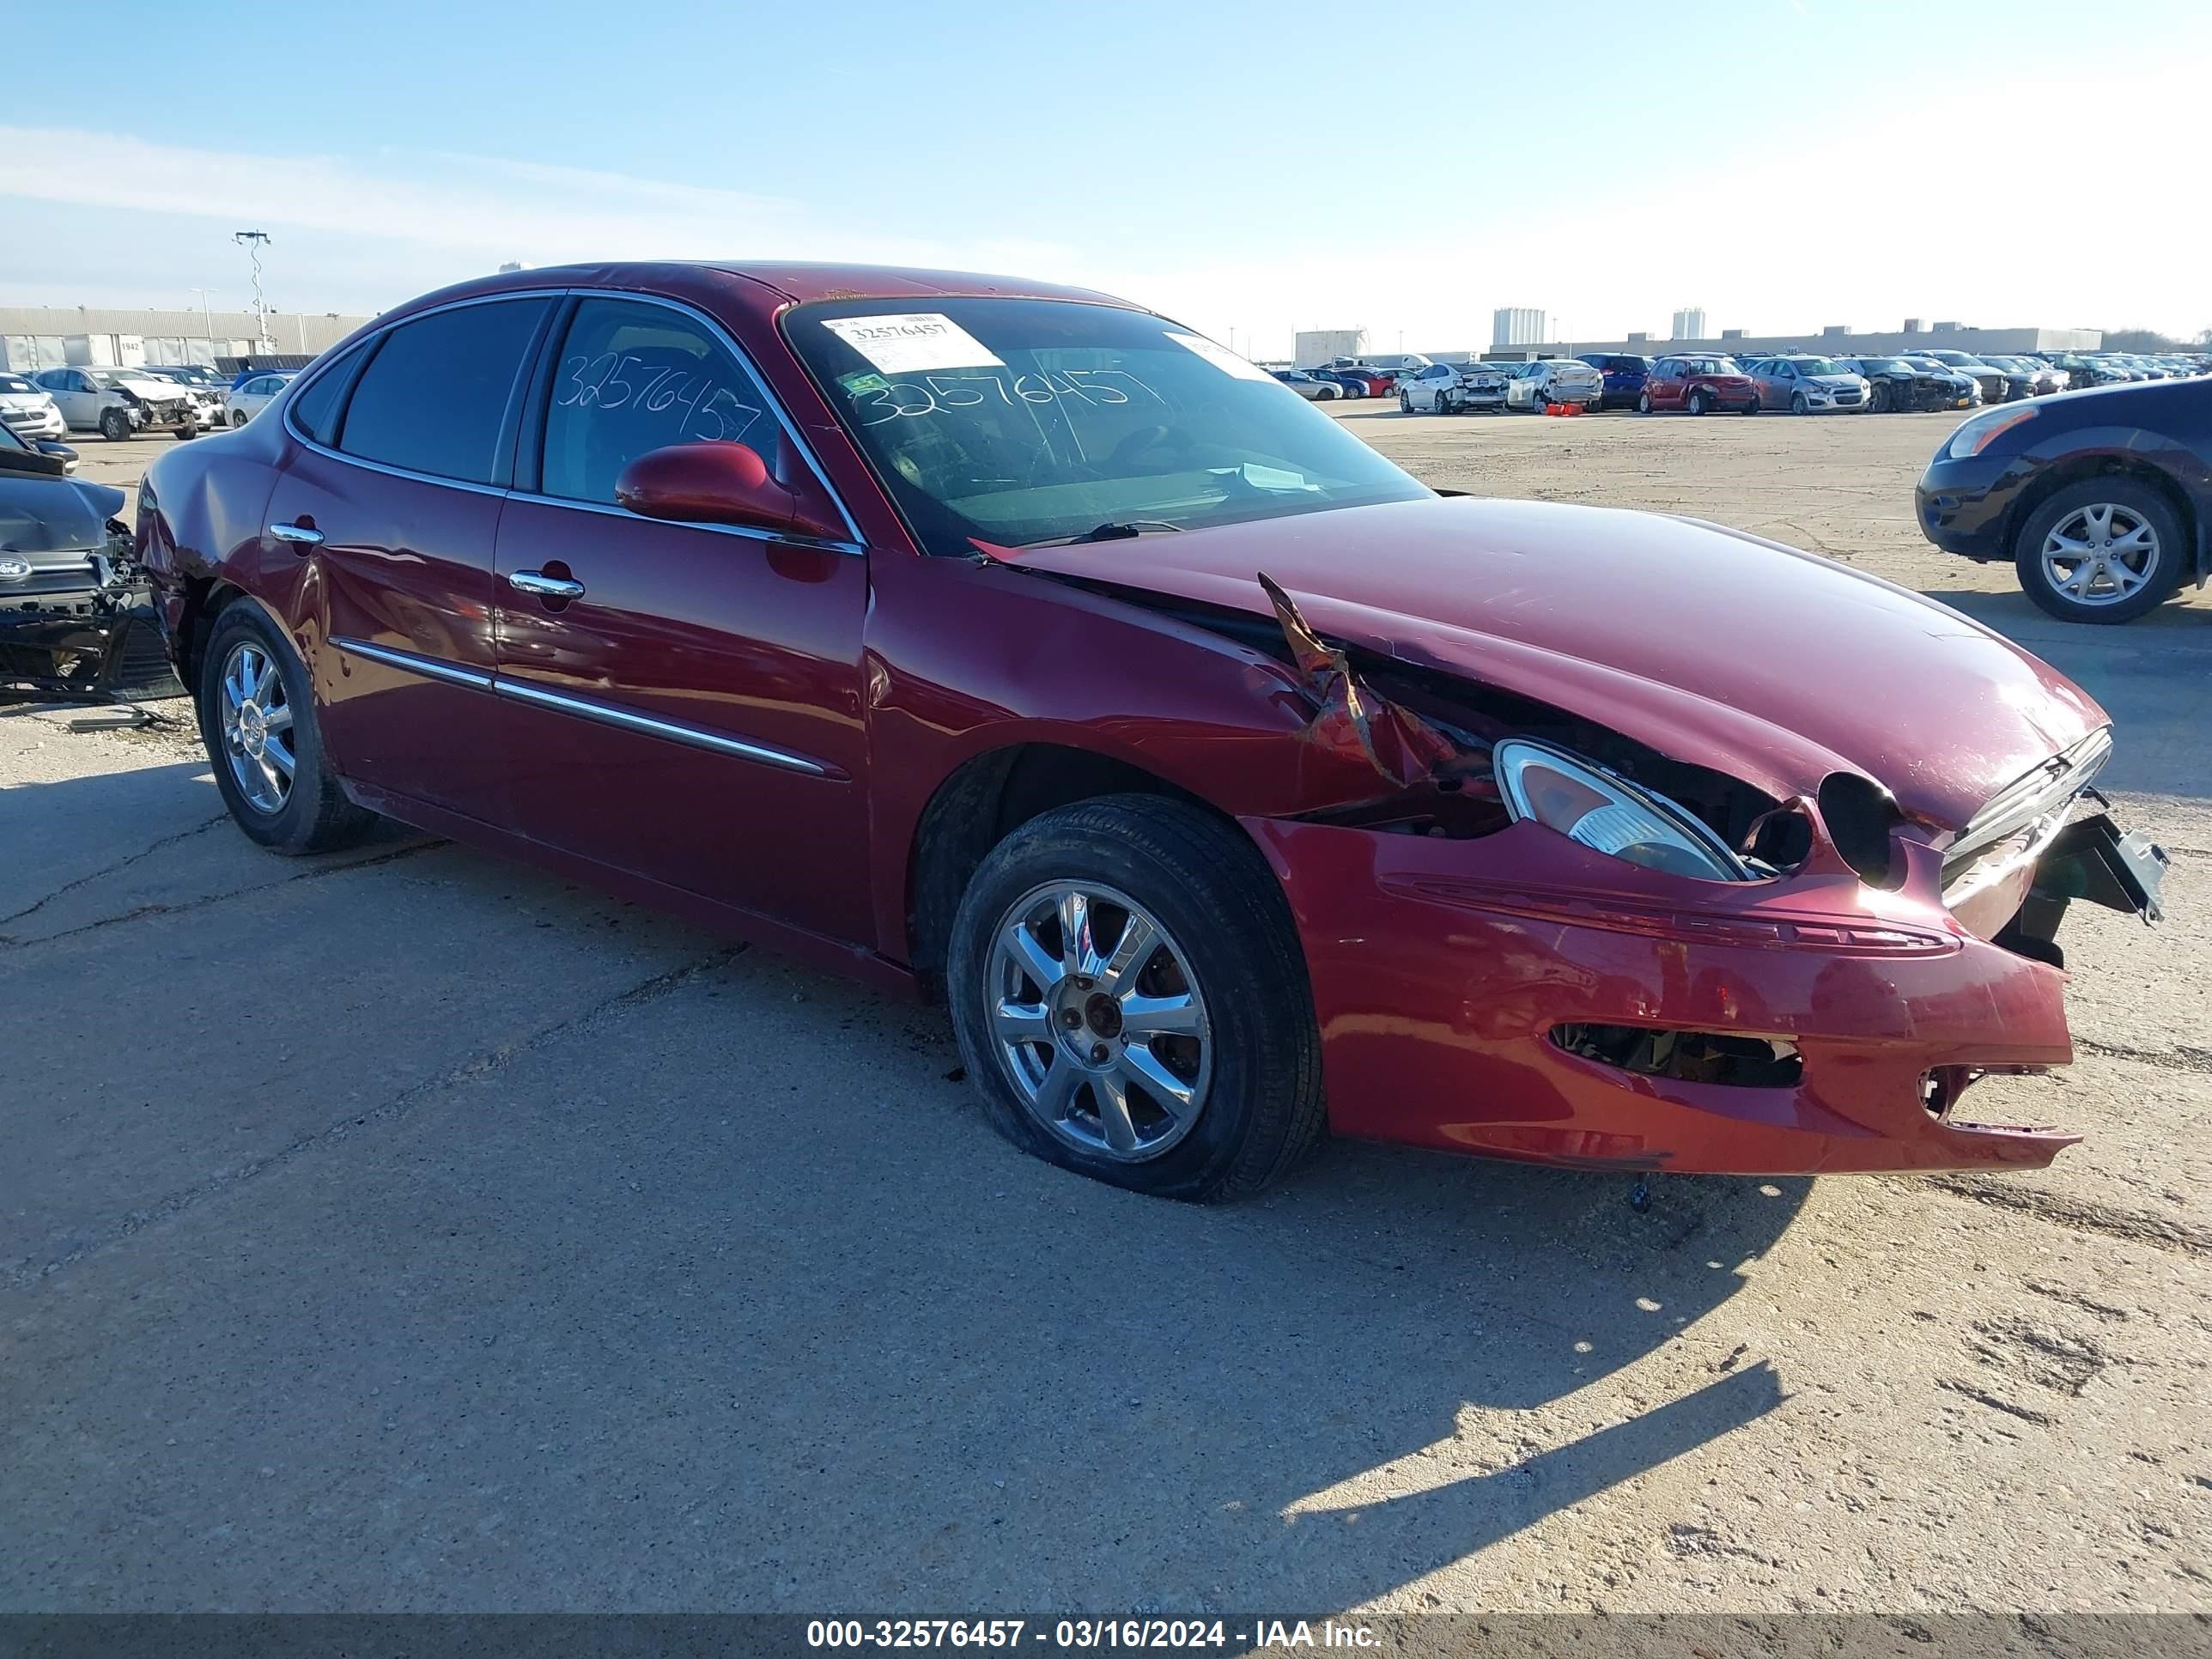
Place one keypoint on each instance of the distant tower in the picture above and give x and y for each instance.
(1516, 326)
(511, 265)
(1689, 324)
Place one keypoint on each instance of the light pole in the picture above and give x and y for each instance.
(207, 315)
(253, 241)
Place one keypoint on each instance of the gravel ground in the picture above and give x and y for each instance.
(404, 1230)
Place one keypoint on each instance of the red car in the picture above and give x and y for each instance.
(1700, 383)
(1012, 644)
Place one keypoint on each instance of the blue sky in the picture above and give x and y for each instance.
(1784, 163)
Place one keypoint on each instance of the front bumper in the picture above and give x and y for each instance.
(46, 422)
(1966, 506)
(1443, 971)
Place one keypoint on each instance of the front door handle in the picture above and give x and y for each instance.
(299, 535)
(546, 586)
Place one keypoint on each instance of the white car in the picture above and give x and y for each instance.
(28, 412)
(1555, 380)
(249, 397)
(118, 402)
(1452, 388)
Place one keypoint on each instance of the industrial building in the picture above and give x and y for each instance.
(48, 337)
(1516, 326)
(1689, 324)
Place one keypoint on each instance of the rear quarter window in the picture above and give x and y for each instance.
(435, 398)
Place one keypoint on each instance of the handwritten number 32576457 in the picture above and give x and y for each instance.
(612, 382)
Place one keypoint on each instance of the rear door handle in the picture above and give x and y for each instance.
(299, 535)
(546, 586)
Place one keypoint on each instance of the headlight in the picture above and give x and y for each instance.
(1976, 435)
(1611, 815)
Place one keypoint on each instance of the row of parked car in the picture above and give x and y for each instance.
(186, 398)
(1703, 383)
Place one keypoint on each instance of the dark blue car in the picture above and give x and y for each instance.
(1625, 375)
(2102, 500)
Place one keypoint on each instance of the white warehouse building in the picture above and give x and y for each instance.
(48, 337)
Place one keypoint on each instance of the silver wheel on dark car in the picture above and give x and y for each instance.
(2102, 554)
(1097, 1021)
(257, 726)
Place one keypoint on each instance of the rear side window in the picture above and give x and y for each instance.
(632, 377)
(434, 399)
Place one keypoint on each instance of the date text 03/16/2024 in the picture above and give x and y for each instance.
(1084, 1634)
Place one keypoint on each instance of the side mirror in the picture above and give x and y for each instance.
(721, 483)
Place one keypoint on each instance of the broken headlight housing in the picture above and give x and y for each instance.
(1586, 803)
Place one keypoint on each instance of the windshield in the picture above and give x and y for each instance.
(15, 383)
(1015, 422)
(1820, 365)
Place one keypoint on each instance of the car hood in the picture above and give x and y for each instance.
(1774, 665)
(40, 513)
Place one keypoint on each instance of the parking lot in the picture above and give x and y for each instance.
(407, 1229)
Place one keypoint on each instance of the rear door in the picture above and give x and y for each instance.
(390, 496)
(691, 712)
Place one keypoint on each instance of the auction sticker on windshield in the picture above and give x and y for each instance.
(912, 341)
(1220, 356)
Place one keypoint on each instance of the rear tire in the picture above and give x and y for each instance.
(311, 813)
(2140, 512)
(1257, 1109)
(1643, 403)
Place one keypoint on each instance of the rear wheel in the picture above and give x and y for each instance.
(1643, 403)
(1131, 999)
(258, 720)
(2103, 550)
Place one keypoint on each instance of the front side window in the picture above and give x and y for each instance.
(632, 377)
(434, 399)
(1016, 422)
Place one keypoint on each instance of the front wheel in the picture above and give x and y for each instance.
(1878, 399)
(114, 425)
(2103, 550)
(238, 418)
(1798, 405)
(1405, 402)
(1699, 404)
(258, 720)
(1131, 998)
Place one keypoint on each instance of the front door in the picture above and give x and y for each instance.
(684, 700)
(398, 528)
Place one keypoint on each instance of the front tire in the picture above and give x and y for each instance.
(114, 425)
(1131, 998)
(256, 716)
(1699, 404)
(238, 418)
(1798, 405)
(2103, 550)
(1878, 399)
(1405, 402)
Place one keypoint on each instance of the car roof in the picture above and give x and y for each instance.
(765, 287)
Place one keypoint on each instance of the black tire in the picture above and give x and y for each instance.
(1755, 406)
(1699, 404)
(1878, 398)
(114, 425)
(238, 418)
(1643, 403)
(316, 816)
(1263, 1112)
(1798, 405)
(1405, 402)
(2146, 504)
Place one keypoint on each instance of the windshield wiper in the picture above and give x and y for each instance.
(1108, 531)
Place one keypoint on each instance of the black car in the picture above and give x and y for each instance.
(76, 619)
(1895, 385)
(1625, 375)
(2102, 500)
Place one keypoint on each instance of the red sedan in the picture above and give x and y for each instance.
(1011, 645)
(1698, 384)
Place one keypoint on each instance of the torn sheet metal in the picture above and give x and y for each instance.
(1398, 744)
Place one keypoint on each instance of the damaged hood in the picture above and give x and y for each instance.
(1759, 661)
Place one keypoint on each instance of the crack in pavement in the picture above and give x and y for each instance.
(2077, 1215)
(120, 864)
(158, 909)
(389, 1111)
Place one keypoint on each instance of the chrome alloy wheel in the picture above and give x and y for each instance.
(1098, 1021)
(257, 727)
(2099, 554)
